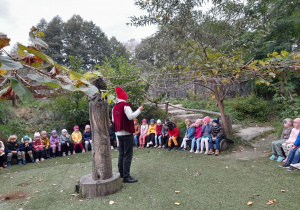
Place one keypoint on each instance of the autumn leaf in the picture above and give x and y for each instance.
(177, 192)
(284, 190)
(177, 204)
(4, 41)
(40, 180)
(2, 72)
(249, 203)
(55, 71)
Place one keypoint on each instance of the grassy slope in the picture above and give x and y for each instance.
(223, 183)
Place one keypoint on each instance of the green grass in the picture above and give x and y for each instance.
(223, 182)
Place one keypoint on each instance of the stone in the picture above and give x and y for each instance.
(236, 127)
(252, 132)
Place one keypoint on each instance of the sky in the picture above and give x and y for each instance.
(17, 17)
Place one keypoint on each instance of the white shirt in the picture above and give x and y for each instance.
(130, 115)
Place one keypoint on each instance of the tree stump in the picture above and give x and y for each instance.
(103, 181)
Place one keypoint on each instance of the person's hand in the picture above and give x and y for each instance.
(299, 149)
(14, 152)
(67, 136)
(68, 144)
(287, 142)
(185, 136)
(56, 141)
(1, 152)
(141, 108)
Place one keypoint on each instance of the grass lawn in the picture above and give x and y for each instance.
(204, 182)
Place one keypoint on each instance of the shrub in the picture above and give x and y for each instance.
(74, 109)
(250, 107)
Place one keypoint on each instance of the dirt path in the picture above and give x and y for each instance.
(260, 148)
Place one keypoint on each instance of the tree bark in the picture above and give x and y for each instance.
(222, 111)
(99, 118)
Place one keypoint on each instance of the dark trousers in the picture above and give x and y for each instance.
(65, 148)
(151, 137)
(125, 154)
(164, 140)
(112, 139)
(2, 160)
(38, 154)
(47, 152)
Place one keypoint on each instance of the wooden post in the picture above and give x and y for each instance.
(103, 181)
(167, 107)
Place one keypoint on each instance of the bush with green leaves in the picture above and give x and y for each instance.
(74, 109)
(250, 107)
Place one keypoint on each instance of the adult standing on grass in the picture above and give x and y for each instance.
(122, 117)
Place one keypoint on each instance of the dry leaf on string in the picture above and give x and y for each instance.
(177, 204)
(40, 180)
(284, 190)
(249, 203)
(271, 202)
(177, 191)
(111, 202)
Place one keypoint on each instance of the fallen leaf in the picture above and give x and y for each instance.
(284, 190)
(111, 202)
(249, 203)
(177, 192)
(80, 200)
(53, 184)
(271, 202)
(61, 191)
(255, 194)
(177, 204)
(41, 180)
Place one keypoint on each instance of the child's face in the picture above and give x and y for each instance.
(44, 136)
(54, 135)
(166, 122)
(286, 125)
(152, 123)
(76, 130)
(144, 123)
(26, 141)
(65, 133)
(158, 124)
(37, 138)
(214, 124)
(205, 122)
(296, 125)
(135, 122)
(13, 140)
(88, 130)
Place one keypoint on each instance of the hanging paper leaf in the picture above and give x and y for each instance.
(23, 93)
(8, 64)
(4, 41)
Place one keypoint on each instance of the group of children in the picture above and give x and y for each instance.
(42, 147)
(159, 135)
(287, 149)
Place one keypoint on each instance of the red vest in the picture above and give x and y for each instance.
(121, 122)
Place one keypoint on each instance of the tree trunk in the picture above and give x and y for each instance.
(222, 111)
(99, 118)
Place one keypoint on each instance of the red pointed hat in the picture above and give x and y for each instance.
(121, 93)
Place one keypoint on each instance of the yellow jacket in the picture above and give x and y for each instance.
(46, 142)
(77, 137)
(152, 129)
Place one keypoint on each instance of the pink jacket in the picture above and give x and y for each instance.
(198, 133)
(39, 144)
(294, 134)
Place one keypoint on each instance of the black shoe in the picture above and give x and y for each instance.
(176, 148)
(121, 175)
(130, 180)
(169, 148)
(182, 149)
(284, 165)
(292, 168)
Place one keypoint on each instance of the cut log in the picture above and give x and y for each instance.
(92, 189)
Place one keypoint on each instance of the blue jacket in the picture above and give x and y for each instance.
(25, 149)
(190, 132)
(86, 136)
(297, 142)
(206, 129)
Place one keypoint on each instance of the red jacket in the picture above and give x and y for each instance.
(159, 129)
(174, 132)
(198, 133)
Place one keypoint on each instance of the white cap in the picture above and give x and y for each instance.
(158, 121)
